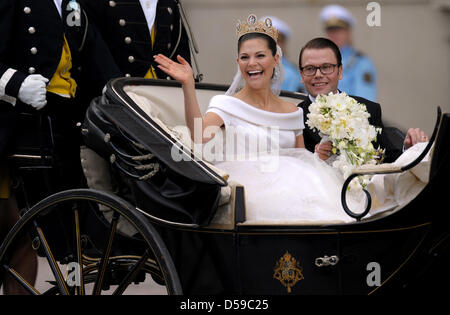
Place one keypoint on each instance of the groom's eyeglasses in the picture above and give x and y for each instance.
(326, 68)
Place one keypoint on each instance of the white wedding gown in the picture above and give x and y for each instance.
(287, 185)
(282, 183)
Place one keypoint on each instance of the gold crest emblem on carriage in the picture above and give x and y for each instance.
(288, 271)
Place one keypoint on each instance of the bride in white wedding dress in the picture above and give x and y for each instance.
(282, 180)
(261, 135)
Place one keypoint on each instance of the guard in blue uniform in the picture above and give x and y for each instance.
(359, 73)
(136, 30)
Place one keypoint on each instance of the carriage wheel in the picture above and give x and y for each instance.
(87, 254)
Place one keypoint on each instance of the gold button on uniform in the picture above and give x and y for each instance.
(122, 22)
(130, 59)
(127, 40)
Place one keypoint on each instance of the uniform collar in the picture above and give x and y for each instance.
(58, 4)
(346, 50)
(149, 8)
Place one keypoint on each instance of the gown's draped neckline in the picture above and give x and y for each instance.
(238, 108)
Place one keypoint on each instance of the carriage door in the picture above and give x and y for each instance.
(378, 260)
(284, 262)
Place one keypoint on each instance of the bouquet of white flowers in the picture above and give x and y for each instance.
(345, 122)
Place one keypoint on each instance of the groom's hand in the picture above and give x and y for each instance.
(413, 136)
(323, 150)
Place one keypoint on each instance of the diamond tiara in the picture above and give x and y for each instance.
(252, 25)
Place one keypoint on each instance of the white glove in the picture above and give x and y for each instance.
(33, 91)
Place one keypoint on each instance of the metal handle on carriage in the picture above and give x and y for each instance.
(326, 261)
(347, 210)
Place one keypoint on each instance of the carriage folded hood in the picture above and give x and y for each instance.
(142, 149)
(120, 109)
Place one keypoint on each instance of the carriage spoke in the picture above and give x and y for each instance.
(132, 274)
(105, 259)
(52, 262)
(80, 288)
(24, 283)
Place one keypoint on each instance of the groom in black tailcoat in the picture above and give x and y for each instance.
(320, 65)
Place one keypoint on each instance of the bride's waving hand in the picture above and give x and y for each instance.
(183, 73)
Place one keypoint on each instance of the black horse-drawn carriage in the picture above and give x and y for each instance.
(180, 223)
